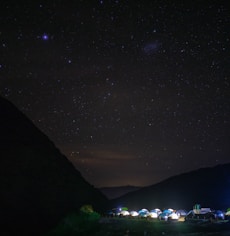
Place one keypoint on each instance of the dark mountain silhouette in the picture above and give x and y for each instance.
(38, 185)
(209, 187)
(115, 192)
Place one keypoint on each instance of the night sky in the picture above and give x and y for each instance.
(132, 92)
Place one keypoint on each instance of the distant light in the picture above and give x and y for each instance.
(174, 216)
(45, 37)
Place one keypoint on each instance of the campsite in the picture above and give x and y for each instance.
(124, 222)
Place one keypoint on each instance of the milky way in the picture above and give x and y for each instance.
(132, 92)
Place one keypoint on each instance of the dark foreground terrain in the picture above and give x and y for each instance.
(142, 227)
(151, 227)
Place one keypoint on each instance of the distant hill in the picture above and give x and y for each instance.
(115, 192)
(38, 185)
(209, 187)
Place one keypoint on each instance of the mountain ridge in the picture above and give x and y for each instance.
(38, 184)
(209, 186)
(117, 191)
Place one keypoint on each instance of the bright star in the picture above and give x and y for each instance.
(45, 37)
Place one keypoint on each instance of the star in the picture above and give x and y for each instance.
(45, 37)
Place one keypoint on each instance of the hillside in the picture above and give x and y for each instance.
(38, 185)
(115, 192)
(208, 186)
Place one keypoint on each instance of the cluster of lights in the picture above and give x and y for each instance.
(144, 213)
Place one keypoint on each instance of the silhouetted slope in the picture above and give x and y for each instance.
(208, 186)
(115, 192)
(38, 185)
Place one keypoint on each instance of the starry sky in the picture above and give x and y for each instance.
(132, 92)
